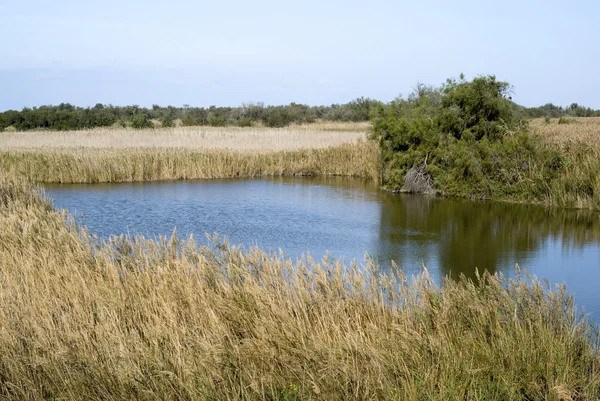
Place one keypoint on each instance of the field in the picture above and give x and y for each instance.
(189, 153)
(586, 130)
(575, 146)
(252, 139)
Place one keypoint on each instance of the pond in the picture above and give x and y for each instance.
(345, 218)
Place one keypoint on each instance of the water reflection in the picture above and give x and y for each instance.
(457, 236)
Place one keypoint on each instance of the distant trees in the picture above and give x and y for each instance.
(66, 116)
(167, 121)
(552, 111)
(69, 117)
(61, 117)
(140, 121)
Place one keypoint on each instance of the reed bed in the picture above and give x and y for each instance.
(118, 155)
(136, 319)
(252, 139)
(575, 144)
(89, 165)
(573, 129)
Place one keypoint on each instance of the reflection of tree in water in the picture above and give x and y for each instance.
(460, 235)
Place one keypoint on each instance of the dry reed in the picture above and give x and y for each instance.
(586, 130)
(576, 148)
(118, 165)
(142, 319)
(116, 155)
(252, 139)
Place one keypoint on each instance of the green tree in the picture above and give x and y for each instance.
(455, 138)
(140, 121)
(167, 121)
(482, 107)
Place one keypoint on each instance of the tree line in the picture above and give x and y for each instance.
(550, 110)
(69, 117)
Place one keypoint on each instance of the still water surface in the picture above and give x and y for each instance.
(345, 218)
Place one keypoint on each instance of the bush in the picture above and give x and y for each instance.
(464, 138)
(167, 121)
(119, 124)
(481, 106)
(245, 122)
(277, 117)
(217, 121)
(565, 120)
(140, 121)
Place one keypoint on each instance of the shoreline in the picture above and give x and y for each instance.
(137, 318)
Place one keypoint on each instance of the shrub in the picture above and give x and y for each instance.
(140, 121)
(277, 117)
(245, 122)
(464, 138)
(217, 121)
(360, 108)
(565, 120)
(167, 121)
(480, 106)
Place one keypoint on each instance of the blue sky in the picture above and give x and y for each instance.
(315, 52)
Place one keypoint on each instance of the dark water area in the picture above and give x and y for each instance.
(346, 218)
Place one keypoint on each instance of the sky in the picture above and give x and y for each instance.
(227, 53)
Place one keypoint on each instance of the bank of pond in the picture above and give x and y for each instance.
(87, 314)
(349, 219)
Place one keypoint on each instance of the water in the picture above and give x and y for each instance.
(345, 218)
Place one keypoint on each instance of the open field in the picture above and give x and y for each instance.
(118, 155)
(578, 129)
(142, 319)
(253, 139)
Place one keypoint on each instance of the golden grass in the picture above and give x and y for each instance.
(90, 165)
(141, 319)
(252, 139)
(116, 155)
(585, 130)
(576, 146)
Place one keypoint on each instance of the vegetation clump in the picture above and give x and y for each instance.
(565, 120)
(141, 121)
(466, 138)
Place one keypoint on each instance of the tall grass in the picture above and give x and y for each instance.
(89, 165)
(142, 319)
(585, 130)
(255, 139)
(576, 148)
